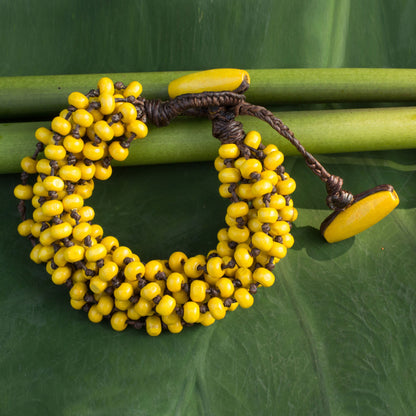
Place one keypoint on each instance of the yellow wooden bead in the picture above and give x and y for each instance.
(43, 166)
(273, 160)
(83, 118)
(224, 190)
(105, 305)
(217, 308)
(87, 213)
(87, 171)
(244, 297)
(225, 286)
(174, 281)
(262, 241)
(144, 307)
(279, 228)
(81, 231)
(77, 304)
(238, 234)
(193, 267)
(271, 176)
(177, 261)
(44, 135)
(70, 173)
(53, 183)
(120, 253)
(46, 253)
(128, 112)
(105, 86)
(72, 144)
(61, 275)
(152, 268)
(219, 164)
(134, 270)
(124, 291)
(244, 191)
(78, 291)
(245, 276)
(61, 126)
(253, 139)
(133, 89)
(288, 240)
(52, 207)
(150, 291)
(78, 100)
(118, 152)
(262, 187)
(118, 129)
(166, 305)
(119, 321)
(224, 249)
(191, 312)
(39, 216)
(215, 267)
(28, 165)
(73, 201)
(229, 151)
(264, 277)
(223, 79)
(153, 326)
(176, 327)
(25, 227)
(93, 152)
(79, 276)
(103, 130)
(243, 257)
(278, 250)
(23, 192)
(288, 214)
(277, 201)
(286, 187)
(237, 209)
(59, 257)
(229, 175)
(97, 285)
(96, 114)
(270, 148)
(94, 315)
(102, 173)
(96, 252)
(198, 290)
(267, 215)
(74, 253)
(55, 152)
(249, 167)
(108, 271)
(110, 243)
(138, 128)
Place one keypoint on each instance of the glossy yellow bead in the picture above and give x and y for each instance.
(28, 165)
(198, 290)
(134, 270)
(278, 250)
(243, 257)
(288, 214)
(225, 286)
(144, 307)
(219, 164)
(153, 326)
(124, 291)
(94, 315)
(271, 176)
(244, 297)
(254, 225)
(55, 152)
(118, 152)
(138, 128)
(108, 271)
(45, 237)
(122, 305)
(83, 118)
(97, 285)
(273, 160)
(105, 86)
(224, 249)
(166, 305)
(119, 321)
(206, 319)
(105, 305)
(217, 308)
(277, 201)
(171, 319)
(96, 252)
(279, 228)
(35, 230)
(215, 267)
(25, 227)
(79, 276)
(267, 215)
(249, 167)
(237, 209)
(43, 166)
(87, 213)
(61, 126)
(245, 276)
(87, 171)
(96, 231)
(262, 187)
(119, 254)
(78, 291)
(39, 216)
(103, 130)
(177, 261)
(77, 304)
(84, 190)
(110, 243)
(72, 144)
(53, 183)
(70, 173)
(73, 201)
(44, 135)
(229, 175)
(221, 79)
(286, 187)
(93, 152)
(264, 277)
(193, 267)
(61, 275)
(175, 328)
(59, 257)
(23, 192)
(133, 89)
(288, 240)
(78, 100)
(244, 191)
(270, 148)
(81, 231)
(229, 271)
(128, 112)
(102, 173)
(132, 314)
(174, 282)
(222, 234)
(253, 139)
(118, 129)
(152, 268)
(224, 190)
(190, 312)
(262, 241)
(150, 291)
(96, 114)
(237, 234)
(46, 253)
(34, 254)
(229, 151)
(59, 231)
(74, 253)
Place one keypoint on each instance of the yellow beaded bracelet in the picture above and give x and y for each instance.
(106, 279)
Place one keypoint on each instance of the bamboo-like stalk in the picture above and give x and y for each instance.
(190, 140)
(34, 97)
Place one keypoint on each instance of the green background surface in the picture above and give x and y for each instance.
(334, 336)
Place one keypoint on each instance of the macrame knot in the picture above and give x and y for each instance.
(225, 128)
(337, 198)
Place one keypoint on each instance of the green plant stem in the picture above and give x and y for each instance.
(190, 140)
(34, 97)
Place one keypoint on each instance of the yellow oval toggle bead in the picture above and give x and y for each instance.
(225, 79)
(367, 209)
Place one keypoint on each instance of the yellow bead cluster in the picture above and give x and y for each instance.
(106, 279)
